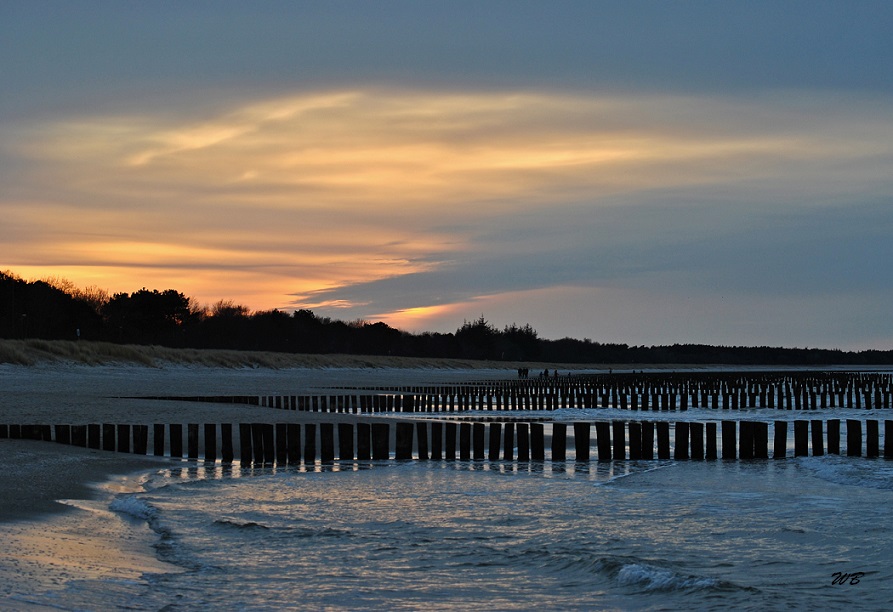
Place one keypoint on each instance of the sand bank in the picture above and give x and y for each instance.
(57, 527)
(38, 473)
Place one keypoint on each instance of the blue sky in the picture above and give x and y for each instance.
(639, 172)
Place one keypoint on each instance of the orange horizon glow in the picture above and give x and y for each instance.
(278, 200)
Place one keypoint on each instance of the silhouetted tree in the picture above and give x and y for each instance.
(148, 317)
(477, 339)
(55, 308)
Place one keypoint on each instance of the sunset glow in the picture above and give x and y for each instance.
(407, 199)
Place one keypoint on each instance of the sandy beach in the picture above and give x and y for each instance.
(51, 393)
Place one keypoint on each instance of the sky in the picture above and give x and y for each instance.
(636, 172)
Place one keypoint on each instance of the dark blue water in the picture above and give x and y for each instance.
(504, 536)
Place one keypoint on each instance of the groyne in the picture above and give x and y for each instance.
(422, 440)
(635, 391)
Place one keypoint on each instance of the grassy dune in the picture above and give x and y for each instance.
(34, 352)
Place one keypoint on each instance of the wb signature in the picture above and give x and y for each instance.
(840, 578)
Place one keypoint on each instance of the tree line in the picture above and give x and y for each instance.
(55, 309)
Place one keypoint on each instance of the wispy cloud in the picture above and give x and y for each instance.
(406, 204)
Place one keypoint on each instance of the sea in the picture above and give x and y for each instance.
(802, 533)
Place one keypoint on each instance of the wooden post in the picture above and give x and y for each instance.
(524, 442)
(559, 441)
(226, 443)
(619, 435)
(696, 432)
(381, 441)
(310, 443)
(140, 439)
(495, 437)
(760, 440)
(192, 440)
(108, 437)
(663, 440)
(818, 446)
(681, 451)
(158, 439)
(729, 450)
(508, 442)
(257, 443)
(327, 442)
(63, 434)
(745, 440)
(478, 439)
(710, 447)
(872, 441)
(781, 440)
(345, 441)
(450, 433)
(603, 440)
(364, 441)
(834, 436)
(421, 428)
(647, 440)
(269, 444)
(281, 443)
(123, 438)
(293, 444)
(801, 438)
(79, 436)
(176, 431)
(245, 451)
(537, 442)
(436, 441)
(581, 441)
(853, 437)
(635, 440)
(465, 441)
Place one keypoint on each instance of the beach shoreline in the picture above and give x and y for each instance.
(55, 509)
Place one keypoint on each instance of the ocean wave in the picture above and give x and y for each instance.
(324, 532)
(652, 578)
(131, 505)
(645, 576)
(240, 524)
(854, 471)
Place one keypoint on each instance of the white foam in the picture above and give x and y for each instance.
(132, 506)
(658, 579)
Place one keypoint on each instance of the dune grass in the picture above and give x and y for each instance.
(34, 352)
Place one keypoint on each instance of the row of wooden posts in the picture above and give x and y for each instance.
(626, 391)
(802, 390)
(470, 398)
(292, 443)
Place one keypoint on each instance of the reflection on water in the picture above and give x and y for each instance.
(515, 535)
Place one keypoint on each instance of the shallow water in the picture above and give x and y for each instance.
(627, 535)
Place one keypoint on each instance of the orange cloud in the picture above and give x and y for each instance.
(301, 193)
